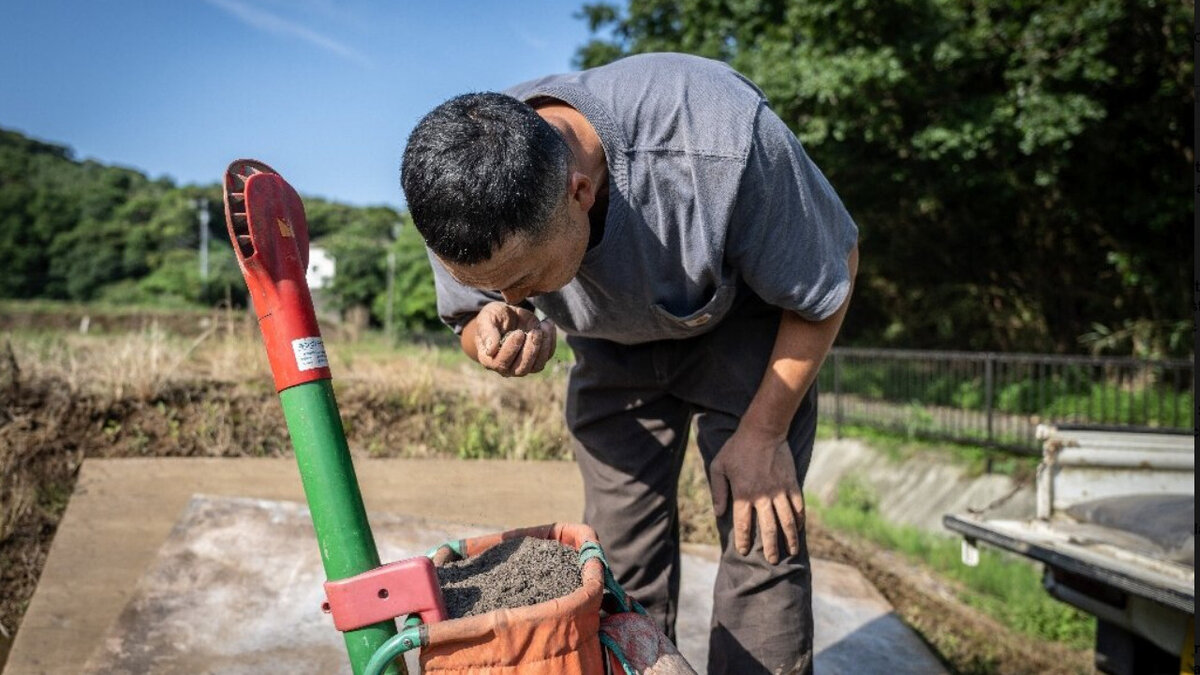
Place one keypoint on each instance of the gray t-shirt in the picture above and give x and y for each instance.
(708, 188)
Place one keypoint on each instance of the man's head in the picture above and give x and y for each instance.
(488, 183)
(479, 168)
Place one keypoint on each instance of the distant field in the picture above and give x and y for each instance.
(34, 316)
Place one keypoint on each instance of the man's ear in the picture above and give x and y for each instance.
(582, 190)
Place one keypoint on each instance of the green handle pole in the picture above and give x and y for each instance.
(335, 502)
(269, 234)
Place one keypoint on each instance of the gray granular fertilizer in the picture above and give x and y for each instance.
(511, 574)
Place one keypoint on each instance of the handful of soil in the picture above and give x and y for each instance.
(514, 573)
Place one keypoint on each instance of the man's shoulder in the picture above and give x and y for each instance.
(668, 65)
(662, 101)
(665, 70)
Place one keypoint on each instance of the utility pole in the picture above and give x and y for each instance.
(391, 293)
(391, 282)
(201, 205)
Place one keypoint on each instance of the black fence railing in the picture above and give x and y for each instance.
(999, 399)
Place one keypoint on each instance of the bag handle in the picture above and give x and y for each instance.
(614, 594)
(612, 589)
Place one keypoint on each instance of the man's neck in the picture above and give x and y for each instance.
(588, 152)
(580, 136)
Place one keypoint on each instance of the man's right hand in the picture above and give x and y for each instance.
(510, 340)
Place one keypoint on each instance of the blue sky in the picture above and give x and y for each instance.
(325, 91)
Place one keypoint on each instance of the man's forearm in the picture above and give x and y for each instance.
(800, 348)
(467, 338)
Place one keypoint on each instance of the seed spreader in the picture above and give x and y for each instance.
(587, 631)
(269, 233)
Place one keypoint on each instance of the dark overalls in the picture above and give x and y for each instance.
(629, 408)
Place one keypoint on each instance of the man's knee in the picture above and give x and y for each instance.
(762, 614)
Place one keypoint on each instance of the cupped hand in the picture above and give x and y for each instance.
(512, 341)
(756, 470)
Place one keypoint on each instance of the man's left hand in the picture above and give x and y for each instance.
(757, 470)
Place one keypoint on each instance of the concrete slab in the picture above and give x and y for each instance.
(855, 630)
(123, 509)
(235, 585)
(236, 589)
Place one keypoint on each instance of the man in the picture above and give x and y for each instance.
(661, 215)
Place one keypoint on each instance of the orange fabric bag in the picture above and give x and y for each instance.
(558, 637)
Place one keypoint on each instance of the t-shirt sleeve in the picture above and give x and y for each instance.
(457, 304)
(790, 236)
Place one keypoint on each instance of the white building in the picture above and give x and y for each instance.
(321, 268)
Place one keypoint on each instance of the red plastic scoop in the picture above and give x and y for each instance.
(272, 250)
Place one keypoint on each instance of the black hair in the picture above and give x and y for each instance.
(480, 168)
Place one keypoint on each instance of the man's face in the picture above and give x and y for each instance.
(522, 268)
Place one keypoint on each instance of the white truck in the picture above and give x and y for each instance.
(1115, 531)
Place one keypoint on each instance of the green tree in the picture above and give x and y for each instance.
(35, 205)
(359, 245)
(87, 231)
(1013, 166)
(414, 300)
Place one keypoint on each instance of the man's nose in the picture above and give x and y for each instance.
(514, 296)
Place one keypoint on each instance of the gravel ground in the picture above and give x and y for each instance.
(514, 573)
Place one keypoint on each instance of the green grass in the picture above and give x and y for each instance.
(1006, 588)
(468, 430)
(899, 446)
(1078, 392)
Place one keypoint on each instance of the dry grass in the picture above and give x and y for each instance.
(65, 396)
(697, 524)
(141, 364)
(153, 392)
(415, 401)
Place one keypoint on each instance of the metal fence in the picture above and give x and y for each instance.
(999, 399)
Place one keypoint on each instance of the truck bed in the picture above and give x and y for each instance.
(1109, 555)
(1115, 529)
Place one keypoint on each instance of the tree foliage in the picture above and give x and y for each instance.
(85, 231)
(414, 299)
(360, 246)
(1014, 167)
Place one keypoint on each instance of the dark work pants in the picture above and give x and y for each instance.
(629, 409)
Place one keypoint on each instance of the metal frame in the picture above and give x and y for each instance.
(923, 394)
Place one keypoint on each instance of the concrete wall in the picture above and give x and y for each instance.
(915, 491)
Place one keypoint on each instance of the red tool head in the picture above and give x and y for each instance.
(270, 240)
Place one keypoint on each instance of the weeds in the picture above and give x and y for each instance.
(1007, 588)
(975, 459)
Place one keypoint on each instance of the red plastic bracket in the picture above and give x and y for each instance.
(393, 590)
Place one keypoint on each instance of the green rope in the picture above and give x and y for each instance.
(591, 550)
(612, 646)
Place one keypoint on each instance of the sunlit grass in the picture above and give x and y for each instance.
(898, 446)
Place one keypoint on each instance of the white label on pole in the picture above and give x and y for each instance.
(970, 553)
(310, 353)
